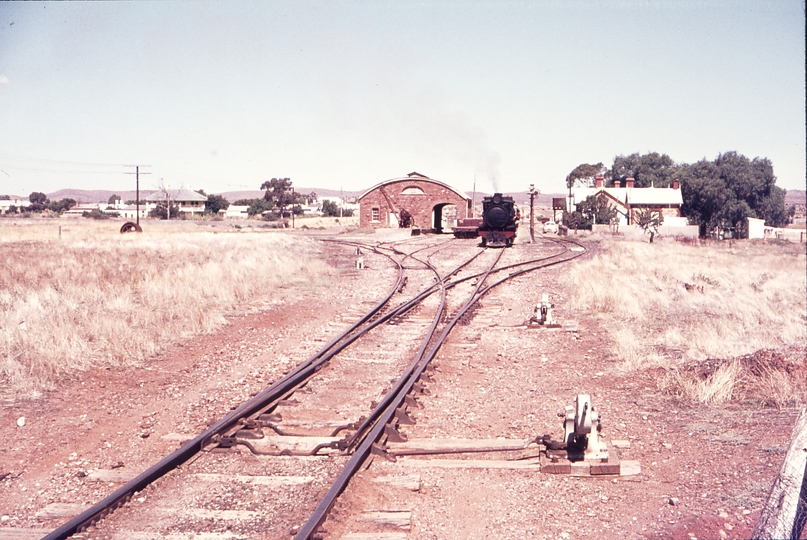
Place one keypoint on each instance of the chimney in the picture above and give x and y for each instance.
(617, 183)
(598, 181)
(676, 184)
(629, 182)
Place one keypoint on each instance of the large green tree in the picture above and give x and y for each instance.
(214, 203)
(279, 192)
(585, 173)
(726, 191)
(651, 169)
(330, 208)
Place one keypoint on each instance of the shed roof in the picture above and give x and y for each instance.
(632, 196)
(415, 176)
(177, 195)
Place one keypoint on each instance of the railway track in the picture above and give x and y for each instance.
(287, 443)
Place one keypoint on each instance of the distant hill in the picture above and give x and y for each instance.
(795, 196)
(101, 195)
(256, 194)
(83, 196)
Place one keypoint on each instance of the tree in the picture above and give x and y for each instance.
(161, 212)
(95, 214)
(37, 197)
(39, 201)
(214, 203)
(651, 169)
(593, 210)
(258, 206)
(113, 199)
(61, 206)
(576, 220)
(169, 210)
(585, 173)
(725, 192)
(330, 208)
(278, 192)
(598, 210)
(311, 198)
(649, 220)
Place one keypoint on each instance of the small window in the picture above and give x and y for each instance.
(375, 215)
(412, 190)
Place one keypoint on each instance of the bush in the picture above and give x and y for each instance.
(95, 214)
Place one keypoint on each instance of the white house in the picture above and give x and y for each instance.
(130, 211)
(629, 199)
(187, 201)
(235, 212)
(8, 203)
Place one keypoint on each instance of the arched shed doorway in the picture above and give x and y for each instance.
(414, 200)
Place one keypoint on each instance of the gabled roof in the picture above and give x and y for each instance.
(176, 195)
(653, 195)
(631, 196)
(414, 176)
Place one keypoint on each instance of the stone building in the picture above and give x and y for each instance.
(415, 201)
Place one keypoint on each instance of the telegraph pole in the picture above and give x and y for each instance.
(532, 213)
(137, 174)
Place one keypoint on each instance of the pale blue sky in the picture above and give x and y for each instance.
(225, 95)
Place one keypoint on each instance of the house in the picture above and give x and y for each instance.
(629, 200)
(5, 204)
(235, 212)
(130, 211)
(79, 209)
(188, 202)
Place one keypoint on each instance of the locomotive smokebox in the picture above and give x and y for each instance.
(499, 221)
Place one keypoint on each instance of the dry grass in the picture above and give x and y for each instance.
(718, 387)
(99, 298)
(670, 304)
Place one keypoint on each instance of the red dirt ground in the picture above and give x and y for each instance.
(718, 462)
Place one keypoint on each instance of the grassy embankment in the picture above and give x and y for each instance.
(96, 298)
(718, 322)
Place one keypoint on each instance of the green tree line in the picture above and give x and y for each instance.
(716, 193)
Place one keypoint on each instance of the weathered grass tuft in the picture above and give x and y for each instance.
(670, 304)
(98, 298)
(718, 387)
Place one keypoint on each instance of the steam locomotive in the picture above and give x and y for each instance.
(500, 217)
(498, 223)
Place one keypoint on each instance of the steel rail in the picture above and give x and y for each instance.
(262, 401)
(348, 340)
(400, 392)
(272, 393)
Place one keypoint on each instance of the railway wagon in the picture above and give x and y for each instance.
(467, 228)
(499, 221)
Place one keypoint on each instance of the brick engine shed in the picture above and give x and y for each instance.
(413, 201)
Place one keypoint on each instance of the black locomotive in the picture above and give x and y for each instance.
(500, 217)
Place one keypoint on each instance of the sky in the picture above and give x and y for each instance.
(223, 96)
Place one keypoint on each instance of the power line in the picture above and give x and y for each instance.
(43, 160)
(137, 174)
